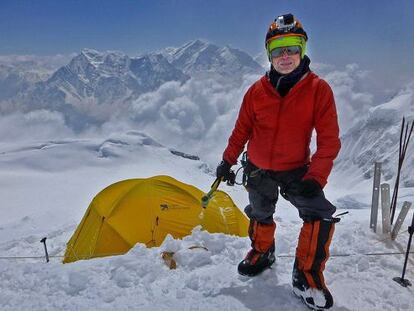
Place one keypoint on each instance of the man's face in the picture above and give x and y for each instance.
(285, 60)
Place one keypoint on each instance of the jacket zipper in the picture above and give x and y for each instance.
(280, 106)
(278, 82)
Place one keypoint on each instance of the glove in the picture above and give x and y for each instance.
(307, 188)
(223, 170)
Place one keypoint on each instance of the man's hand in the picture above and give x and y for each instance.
(223, 170)
(308, 188)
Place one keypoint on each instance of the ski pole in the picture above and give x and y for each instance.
(44, 244)
(404, 140)
(206, 198)
(400, 280)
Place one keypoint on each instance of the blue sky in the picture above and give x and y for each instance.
(370, 33)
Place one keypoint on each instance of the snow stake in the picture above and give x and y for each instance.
(385, 208)
(44, 244)
(206, 198)
(400, 280)
(375, 196)
(401, 217)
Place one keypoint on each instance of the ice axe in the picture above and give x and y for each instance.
(44, 244)
(207, 197)
(231, 179)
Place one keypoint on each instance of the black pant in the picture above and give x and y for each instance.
(264, 187)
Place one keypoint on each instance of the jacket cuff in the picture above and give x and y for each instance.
(229, 161)
(321, 181)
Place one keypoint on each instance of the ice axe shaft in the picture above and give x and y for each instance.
(206, 198)
(44, 244)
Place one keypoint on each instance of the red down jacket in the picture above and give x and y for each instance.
(279, 129)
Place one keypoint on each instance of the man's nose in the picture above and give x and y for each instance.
(284, 54)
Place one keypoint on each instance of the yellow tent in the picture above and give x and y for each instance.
(145, 211)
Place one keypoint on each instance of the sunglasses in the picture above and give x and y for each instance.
(290, 50)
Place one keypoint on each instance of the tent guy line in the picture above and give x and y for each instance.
(278, 256)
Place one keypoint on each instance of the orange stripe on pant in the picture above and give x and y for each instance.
(310, 254)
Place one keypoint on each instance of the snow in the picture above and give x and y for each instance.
(47, 185)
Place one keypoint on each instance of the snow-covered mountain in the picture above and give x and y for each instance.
(15, 79)
(201, 57)
(262, 59)
(376, 138)
(95, 84)
(113, 76)
(19, 73)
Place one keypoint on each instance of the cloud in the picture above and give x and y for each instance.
(34, 125)
(321, 68)
(352, 101)
(196, 117)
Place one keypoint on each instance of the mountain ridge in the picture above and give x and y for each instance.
(94, 85)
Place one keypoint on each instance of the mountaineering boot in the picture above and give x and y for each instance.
(311, 255)
(262, 254)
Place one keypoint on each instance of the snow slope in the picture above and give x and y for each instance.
(376, 138)
(46, 186)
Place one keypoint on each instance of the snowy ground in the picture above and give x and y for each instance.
(45, 187)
